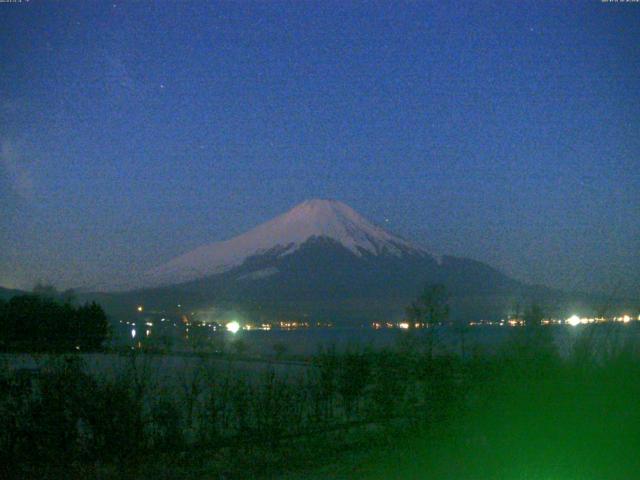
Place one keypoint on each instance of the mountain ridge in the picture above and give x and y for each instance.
(286, 232)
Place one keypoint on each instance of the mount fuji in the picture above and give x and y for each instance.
(322, 260)
(284, 235)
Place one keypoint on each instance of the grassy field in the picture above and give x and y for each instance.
(522, 411)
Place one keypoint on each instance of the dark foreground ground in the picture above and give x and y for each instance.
(520, 412)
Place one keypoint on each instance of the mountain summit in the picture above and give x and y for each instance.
(283, 235)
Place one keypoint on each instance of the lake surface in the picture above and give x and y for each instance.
(259, 349)
(310, 341)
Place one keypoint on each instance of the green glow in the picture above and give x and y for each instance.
(233, 327)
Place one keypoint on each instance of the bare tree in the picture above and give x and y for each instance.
(429, 310)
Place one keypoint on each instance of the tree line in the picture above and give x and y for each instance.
(48, 322)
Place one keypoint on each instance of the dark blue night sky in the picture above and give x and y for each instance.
(508, 132)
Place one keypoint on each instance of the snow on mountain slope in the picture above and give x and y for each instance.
(281, 236)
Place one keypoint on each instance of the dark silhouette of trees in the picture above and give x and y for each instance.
(540, 336)
(352, 379)
(92, 325)
(45, 290)
(531, 348)
(429, 310)
(43, 323)
(51, 292)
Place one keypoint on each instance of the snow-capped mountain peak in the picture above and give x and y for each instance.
(333, 219)
(284, 235)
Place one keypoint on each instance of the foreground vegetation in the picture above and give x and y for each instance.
(520, 412)
(50, 322)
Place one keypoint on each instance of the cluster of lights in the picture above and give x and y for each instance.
(480, 323)
(402, 325)
(551, 321)
(379, 325)
(286, 325)
(575, 320)
(407, 325)
(233, 327)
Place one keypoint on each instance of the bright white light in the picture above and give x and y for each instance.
(140, 308)
(626, 318)
(133, 333)
(573, 320)
(233, 327)
(403, 325)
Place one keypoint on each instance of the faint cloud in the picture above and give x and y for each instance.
(16, 170)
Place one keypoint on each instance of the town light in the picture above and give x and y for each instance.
(233, 327)
(133, 333)
(573, 320)
(140, 308)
